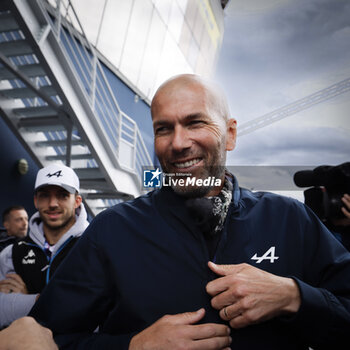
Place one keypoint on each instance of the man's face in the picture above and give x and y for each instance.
(56, 207)
(190, 136)
(17, 223)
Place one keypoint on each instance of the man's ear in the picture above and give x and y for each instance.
(231, 134)
(78, 200)
(36, 207)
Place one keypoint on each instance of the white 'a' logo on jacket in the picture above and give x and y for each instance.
(269, 255)
(29, 258)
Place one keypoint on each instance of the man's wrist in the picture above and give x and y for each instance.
(293, 293)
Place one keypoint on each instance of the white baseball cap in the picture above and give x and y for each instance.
(58, 175)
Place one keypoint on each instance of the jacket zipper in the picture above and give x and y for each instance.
(48, 267)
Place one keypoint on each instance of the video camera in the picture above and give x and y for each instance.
(329, 183)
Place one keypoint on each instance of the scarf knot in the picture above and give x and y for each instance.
(210, 213)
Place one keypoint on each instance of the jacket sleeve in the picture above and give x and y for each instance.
(13, 306)
(323, 319)
(6, 264)
(78, 298)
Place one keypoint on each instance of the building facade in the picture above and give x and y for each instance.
(150, 40)
(76, 79)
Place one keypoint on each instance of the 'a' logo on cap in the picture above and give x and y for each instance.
(57, 174)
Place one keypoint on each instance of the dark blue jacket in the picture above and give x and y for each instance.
(143, 259)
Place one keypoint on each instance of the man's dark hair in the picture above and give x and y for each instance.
(7, 211)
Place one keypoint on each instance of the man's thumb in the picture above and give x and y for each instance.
(221, 270)
(190, 317)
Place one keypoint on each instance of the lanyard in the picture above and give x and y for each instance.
(48, 249)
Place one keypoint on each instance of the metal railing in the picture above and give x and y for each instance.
(119, 129)
(295, 107)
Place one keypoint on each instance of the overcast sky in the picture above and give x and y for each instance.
(276, 52)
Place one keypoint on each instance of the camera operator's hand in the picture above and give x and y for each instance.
(346, 209)
(344, 221)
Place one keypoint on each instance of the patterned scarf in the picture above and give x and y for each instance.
(210, 213)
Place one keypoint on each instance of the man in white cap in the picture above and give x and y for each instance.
(27, 266)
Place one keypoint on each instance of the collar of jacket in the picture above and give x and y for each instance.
(173, 208)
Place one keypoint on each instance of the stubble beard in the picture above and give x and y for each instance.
(66, 224)
(215, 171)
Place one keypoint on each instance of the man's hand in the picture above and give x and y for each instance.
(344, 221)
(246, 295)
(346, 208)
(26, 334)
(172, 332)
(13, 283)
